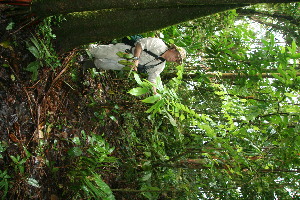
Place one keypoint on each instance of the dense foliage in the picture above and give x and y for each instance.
(225, 125)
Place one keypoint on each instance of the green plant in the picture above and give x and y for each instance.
(167, 102)
(19, 162)
(3, 147)
(89, 153)
(4, 183)
(41, 46)
(44, 57)
(4, 177)
(94, 187)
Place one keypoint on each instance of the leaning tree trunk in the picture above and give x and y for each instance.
(53, 7)
(117, 18)
(86, 27)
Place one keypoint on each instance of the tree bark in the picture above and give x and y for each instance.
(53, 7)
(86, 27)
(112, 19)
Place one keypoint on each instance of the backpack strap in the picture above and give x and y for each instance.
(154, 55)
(148, 52)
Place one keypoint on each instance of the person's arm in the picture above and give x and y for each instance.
(154, 90)
(137, 53)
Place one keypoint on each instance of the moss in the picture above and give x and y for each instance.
(52, 7)
(87, 27)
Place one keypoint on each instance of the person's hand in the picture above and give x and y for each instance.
(154, 90)
(135, 65)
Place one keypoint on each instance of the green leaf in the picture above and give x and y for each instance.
(152, 99)
(10, 26)
(6, 44)
(34, 51)
(76, 140)
(295, 56)
(291, 110)
(104, 187)
(75, 151)
(182, 117)
(290, 95)
(45, 49)
(137, 78)
(15, 159)
(33, 66)
(293, 49)
(33, 182)
(138, 91)
(113, 118)
(146, 191)
(148, 154)
(209, 131)
(172, 120)
(278, 77)
(5, 65)
(125, 62)
(121, 54)
(91, 188)
(147, 176)
(156, 107)
(282, 50)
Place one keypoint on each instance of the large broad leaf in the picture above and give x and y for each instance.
(33, 66)
(290, 95)
(137, 78)
(34, 51)
(295, 56)
(152, 99)
(103, 187)
(156, 107)
(125, 62)
(138, 91)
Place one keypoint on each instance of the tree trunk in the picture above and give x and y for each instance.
(118, 18)
(53, 7)
(86, 27)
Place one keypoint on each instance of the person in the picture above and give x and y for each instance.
(149, 56)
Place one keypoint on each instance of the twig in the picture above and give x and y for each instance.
(66, 64)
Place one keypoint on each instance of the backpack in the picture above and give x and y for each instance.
(131, 40)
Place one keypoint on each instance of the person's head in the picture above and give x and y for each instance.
(175, 54)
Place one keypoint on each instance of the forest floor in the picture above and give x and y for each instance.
(58, 106)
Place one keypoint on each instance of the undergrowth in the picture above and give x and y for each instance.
(41, 47)
(77, 163)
